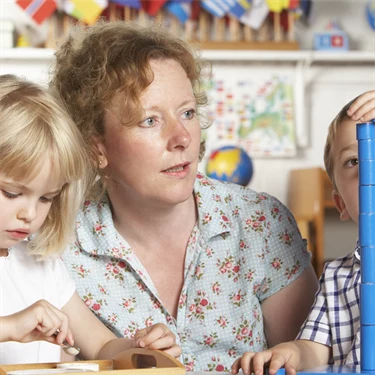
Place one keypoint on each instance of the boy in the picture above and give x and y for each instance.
(330, 334)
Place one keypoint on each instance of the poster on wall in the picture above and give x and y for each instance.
(253, 110)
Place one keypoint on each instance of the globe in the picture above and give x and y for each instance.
(230, 163)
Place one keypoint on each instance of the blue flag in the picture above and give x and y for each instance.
(180, 9)
(239, 8)
(128, 3)
(218, 8)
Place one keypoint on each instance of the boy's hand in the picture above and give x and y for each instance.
(283, 355)
(363, 108)
(157, 336)
(40, 321)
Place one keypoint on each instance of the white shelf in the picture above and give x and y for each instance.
(225, 55)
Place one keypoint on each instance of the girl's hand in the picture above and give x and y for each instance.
(39, 321)
(363, 108)
(157, 336)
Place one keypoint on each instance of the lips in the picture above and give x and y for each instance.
(18, 233)
(177, 168)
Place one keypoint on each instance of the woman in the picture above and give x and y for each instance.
(221, 265)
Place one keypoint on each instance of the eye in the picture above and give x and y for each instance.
(352, 162)
(46, 199)
(189, 114)
(149, 122)
(9, 195)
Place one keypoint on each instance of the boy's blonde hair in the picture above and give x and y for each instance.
(34, 128)
(332, 131)
(96, 63)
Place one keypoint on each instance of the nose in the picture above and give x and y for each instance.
(27, 213)
(178, 136)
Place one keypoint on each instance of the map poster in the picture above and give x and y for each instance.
(253, 110)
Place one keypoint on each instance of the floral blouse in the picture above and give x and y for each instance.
(244, 248)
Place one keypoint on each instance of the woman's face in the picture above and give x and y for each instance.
(154, 161)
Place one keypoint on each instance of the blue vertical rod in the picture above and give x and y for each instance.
(366, 219)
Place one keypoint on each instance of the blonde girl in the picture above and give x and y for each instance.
(43, 176)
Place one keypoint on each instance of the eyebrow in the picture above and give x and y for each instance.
(24, 187)
(347, 148)
(187, 101)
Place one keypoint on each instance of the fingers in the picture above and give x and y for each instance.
(363, 108)
(175, 351)
(256, 363)
(157, 336)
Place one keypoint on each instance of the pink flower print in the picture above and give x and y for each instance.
(113, 318)
(189, 363)
(97, 229)
(210, 340)
(129, 304)
(276, 263)
(115, 270)
(216, 288)
(200, 306)
(209, 252)
(243, 245)
(108, 266)
(80, 270)
(236, 211)
(141, 286)
(206, 219)
(199, 271)
(216, 365)
(126, 333)
(182, 301)
(122, 264)
(217, 198)
(222, 321)
(243, 332)
(289, 273)
(149, 322)
(237, 298)
(275, 212)
(256, 287)
(250, 275)
(262, 218)
(286, 237)
(232, 352)
(225, 223)
(96, 306)
(229, 266)
(198, 199)
(88, 302)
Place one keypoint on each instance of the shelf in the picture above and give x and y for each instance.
(357, 57)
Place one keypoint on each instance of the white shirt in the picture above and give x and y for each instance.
(23, 281)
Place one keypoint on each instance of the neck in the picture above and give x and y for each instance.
(149, 224)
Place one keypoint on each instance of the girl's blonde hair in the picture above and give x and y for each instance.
(34, 128)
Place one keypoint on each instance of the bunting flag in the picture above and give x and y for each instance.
(255, 16)
(38, 10)
(239, 8)
(277, 5)
(180, 9)
(128, 3)
(152, 6)
(87, 11)
(218, 8)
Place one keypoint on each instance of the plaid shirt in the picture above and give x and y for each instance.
(334, 317)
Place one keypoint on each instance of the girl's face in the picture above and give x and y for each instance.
(155, 161)
(25, 205)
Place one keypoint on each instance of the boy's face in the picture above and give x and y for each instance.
(345, 155)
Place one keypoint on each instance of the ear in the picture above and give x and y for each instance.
(340, 205)
(100, 152)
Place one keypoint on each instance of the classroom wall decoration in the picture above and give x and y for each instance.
(255, 112)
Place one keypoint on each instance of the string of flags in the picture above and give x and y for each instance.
(250, 12)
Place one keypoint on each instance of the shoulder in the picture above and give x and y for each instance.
(342, 268)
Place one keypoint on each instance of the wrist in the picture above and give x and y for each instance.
(5, 328)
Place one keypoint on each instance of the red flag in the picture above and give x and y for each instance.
(152, 6)
(38, 10)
